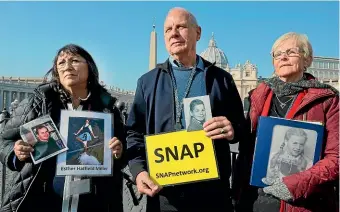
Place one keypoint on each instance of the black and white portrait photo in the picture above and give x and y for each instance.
(197, 110)
(292, 151)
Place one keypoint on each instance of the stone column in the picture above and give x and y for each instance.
(1, 99)
(5, 99)
(11, 96)
(14, 95)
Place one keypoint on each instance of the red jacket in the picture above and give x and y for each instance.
(311, 189)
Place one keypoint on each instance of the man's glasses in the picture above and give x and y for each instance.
(292, 52)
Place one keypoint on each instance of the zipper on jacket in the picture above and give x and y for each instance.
(44, 187)
(252, 107)
(205, 79)
(251, 121)
(172, 99)
(29, 188)
(44, 106)
(206, 69)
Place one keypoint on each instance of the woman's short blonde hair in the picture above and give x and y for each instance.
(303, 43)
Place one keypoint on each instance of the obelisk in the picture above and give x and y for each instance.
(153, 49)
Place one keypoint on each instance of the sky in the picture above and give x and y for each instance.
(117, 34)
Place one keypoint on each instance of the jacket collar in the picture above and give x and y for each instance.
(260, 94)
(166, 65)
(199, 62)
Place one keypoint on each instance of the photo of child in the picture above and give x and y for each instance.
(197, 115)
(85, 141)
(197, 110)
(87, 133)
(87, 136)
(292, 156)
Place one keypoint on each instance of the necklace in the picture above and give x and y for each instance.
(178, 104)
(282, 112)
(283, 104)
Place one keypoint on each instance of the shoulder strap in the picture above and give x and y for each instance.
(129, 185)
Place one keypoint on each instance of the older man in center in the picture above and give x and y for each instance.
(157, 108)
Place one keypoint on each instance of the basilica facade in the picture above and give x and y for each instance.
(244, 75)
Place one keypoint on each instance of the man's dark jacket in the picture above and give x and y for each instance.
(153, 112)
(31, 189)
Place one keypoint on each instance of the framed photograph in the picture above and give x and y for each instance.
(87, 135)
(44, 137)
(284, 147)
(197, 110)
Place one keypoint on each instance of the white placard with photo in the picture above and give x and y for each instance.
(44, 137)
(197, 110)
(87, 135)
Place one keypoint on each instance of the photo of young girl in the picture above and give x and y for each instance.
(292, 156)
(85, 141)
(87, 133)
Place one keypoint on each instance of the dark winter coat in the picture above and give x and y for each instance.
(31, 189)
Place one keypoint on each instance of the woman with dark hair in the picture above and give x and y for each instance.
(197, 115)
(74, 85)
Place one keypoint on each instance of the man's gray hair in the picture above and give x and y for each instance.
(192, 18)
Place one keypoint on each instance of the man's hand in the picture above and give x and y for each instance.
(116, 147)
(219, 128)
(145, 185)
(22, 150)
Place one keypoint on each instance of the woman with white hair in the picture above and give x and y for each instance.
(292, 94)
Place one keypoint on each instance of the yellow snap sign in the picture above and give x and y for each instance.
(180, 157)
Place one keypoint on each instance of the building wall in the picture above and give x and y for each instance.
(245, 77)
(326, 69)
(11, 89)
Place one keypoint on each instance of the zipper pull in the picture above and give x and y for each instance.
(44, 187)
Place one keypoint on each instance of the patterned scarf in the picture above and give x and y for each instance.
(281, 88)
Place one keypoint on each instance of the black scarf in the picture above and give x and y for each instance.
(281, 88)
